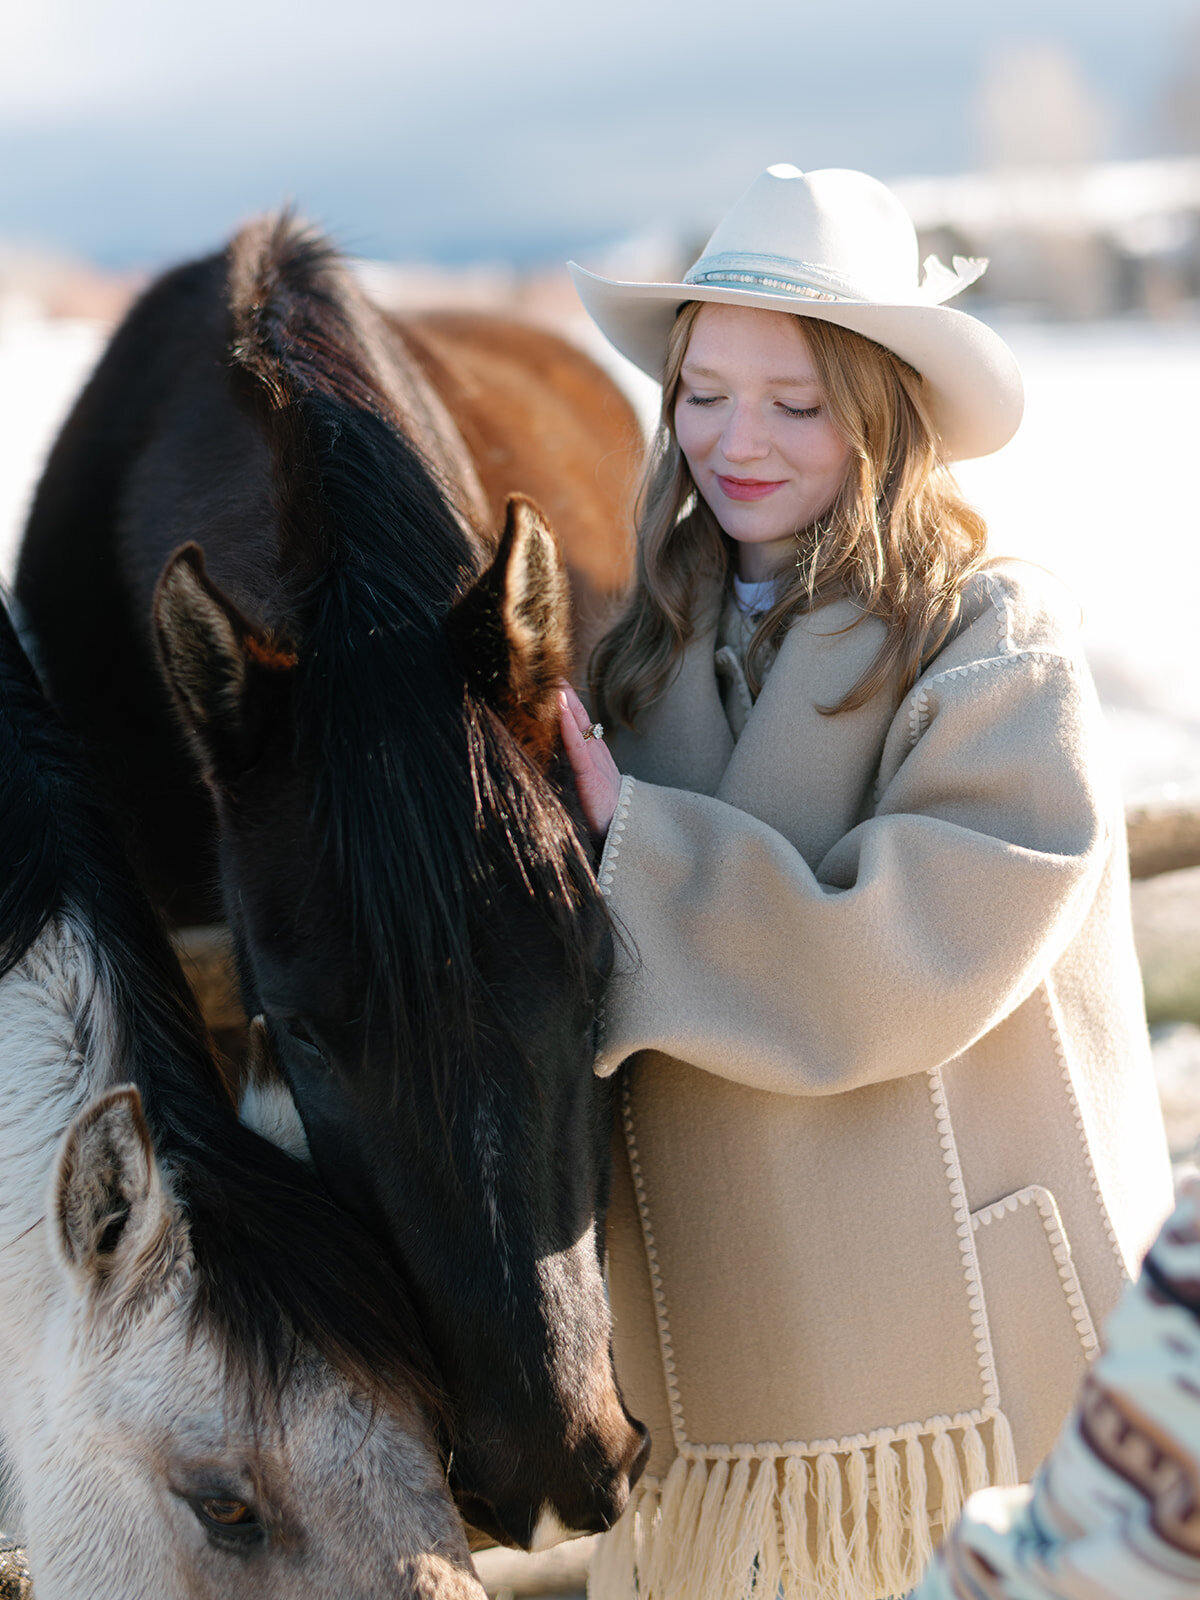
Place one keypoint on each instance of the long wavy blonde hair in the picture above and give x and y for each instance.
(899, 539)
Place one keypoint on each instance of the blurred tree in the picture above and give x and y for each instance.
(1179, 105)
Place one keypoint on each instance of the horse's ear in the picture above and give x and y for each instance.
(117, 1227)
(511, 630)
(227, 672)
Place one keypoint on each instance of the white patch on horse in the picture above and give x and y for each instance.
(267, 1108)
(549, 1530)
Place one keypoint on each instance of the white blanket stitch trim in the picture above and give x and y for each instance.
(604, 876)
(1073, 1101)
(918, 716)
(612, 844)
(656, 1284)
(918, 708)
(1072, 664)
(1036, 1195)
(966, 1242)
(965, 1229)
(998, 597)
(808, 1519)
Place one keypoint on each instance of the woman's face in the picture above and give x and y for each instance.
(751, 422)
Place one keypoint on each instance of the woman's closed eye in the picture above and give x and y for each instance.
(788, 411)
(798, 411)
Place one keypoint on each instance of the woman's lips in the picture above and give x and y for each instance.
(749, 488)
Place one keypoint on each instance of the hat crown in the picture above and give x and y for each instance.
(842, 234)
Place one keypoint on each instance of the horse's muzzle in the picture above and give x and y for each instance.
(537, 1526)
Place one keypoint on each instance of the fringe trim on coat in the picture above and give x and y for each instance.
(856, 1520)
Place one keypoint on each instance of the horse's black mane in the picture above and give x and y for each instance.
(430, 811)
(279, 1265)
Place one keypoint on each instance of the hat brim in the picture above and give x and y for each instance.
(973, 384)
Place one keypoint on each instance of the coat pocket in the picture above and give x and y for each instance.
(1041, 1328)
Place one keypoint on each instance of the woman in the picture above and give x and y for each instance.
(891, 1145)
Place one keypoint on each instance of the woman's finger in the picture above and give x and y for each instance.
(578, 711)
(597, 779)
(572, 729)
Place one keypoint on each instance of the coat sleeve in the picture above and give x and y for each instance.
(919, 931)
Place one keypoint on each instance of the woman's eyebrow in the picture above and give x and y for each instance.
(790, 381)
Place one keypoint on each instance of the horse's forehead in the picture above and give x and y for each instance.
(187, 1399)
(355, 1490)
(291, 1453)
(159, 1372)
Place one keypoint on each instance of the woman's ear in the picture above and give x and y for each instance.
(510, 632)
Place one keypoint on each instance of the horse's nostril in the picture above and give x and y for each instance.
(641, 1454)
(623, 1478)
(479, 1514)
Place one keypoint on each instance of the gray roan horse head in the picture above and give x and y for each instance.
(212, 1385)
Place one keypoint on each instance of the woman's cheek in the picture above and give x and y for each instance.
(691, 428)
(696, 452)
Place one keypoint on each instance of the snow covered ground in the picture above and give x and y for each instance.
(43, 364)
(1099, 486)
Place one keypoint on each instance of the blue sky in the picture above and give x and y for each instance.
(138, 131)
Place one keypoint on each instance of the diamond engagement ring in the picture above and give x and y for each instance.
(595, 731)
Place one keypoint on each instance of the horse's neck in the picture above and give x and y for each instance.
(45, 1079)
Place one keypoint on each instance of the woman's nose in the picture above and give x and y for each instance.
(744, 438)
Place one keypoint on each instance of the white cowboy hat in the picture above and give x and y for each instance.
(839, 246)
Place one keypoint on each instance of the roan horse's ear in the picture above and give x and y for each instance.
(226, 671)
(511, 630)
(117, 1227)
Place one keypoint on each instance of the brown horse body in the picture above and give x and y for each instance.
(537, 417)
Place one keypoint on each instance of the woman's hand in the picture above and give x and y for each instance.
(596, 775)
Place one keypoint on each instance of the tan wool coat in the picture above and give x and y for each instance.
(889, 1143)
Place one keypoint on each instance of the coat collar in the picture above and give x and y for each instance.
(684, 740)
(806, 775)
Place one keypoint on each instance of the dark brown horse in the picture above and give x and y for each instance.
(264, 578)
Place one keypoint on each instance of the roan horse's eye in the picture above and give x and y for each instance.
(227, 1519)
